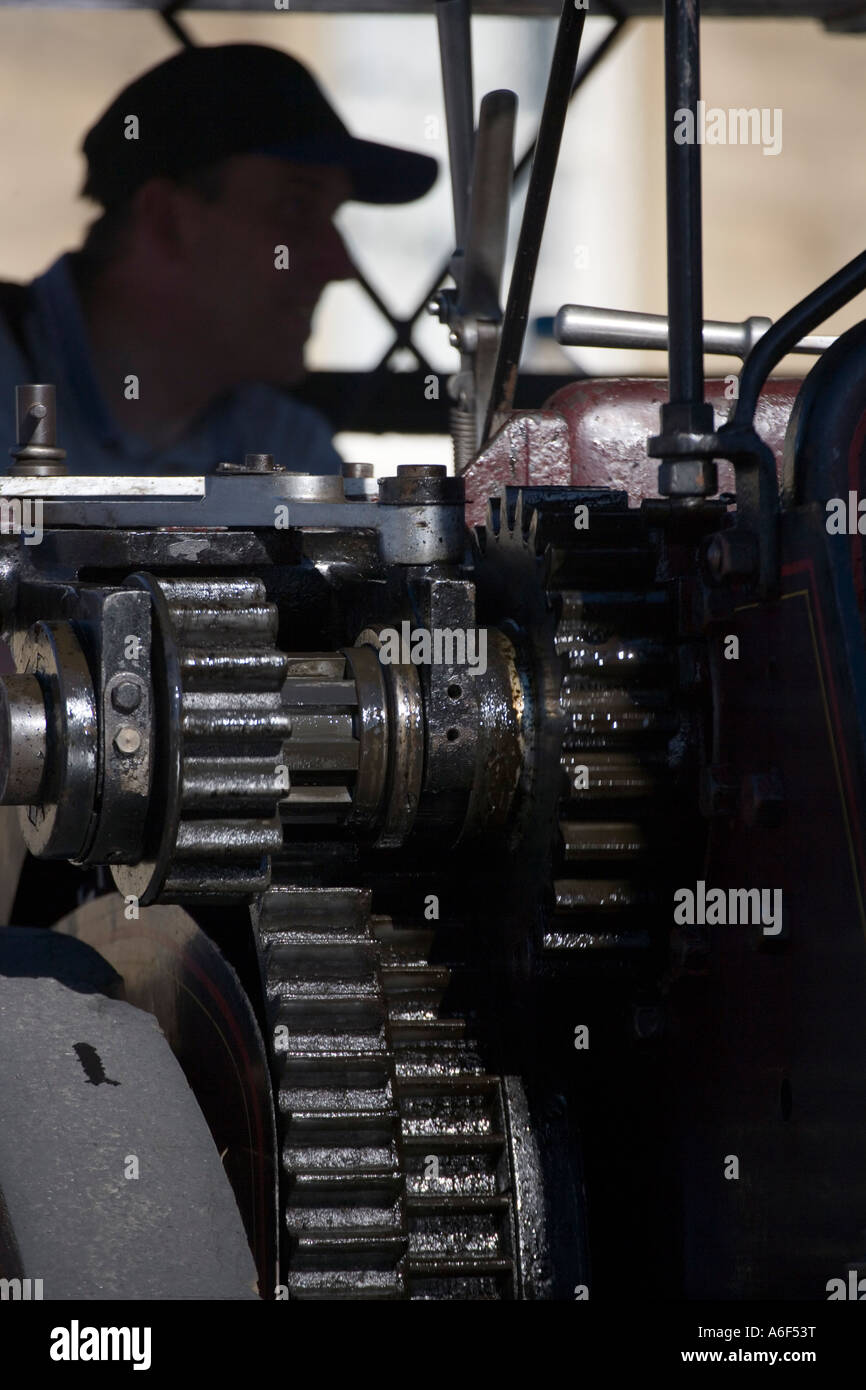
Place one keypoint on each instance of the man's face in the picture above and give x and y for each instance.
(255, 309)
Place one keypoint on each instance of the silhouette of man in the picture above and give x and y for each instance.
(175, 332)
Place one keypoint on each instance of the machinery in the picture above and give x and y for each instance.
(499, 892)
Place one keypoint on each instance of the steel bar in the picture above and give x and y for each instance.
(557, 97)
(455, 48)
(776, 343)
(580, 325)
(684, 238)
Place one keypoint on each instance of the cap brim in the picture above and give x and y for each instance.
(380, 173)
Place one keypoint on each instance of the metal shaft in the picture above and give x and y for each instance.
(557, 97)
(581, 325)
(455, 48)
(487, 224)
(684, 240)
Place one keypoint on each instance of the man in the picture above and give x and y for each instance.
(173, 334)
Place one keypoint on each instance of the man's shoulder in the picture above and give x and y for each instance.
(271, 421)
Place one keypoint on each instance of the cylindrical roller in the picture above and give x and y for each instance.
(202, 879)
(237, 669)
(602, 840)
(213, 839)
(214, 625)
(197, 591)
(231, 784)
(611, 776)
(577, 895)
(612, 658)
(217, 715)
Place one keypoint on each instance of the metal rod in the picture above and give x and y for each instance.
(169, 18)
(684, 239)
(550, 130)
(489, 203)
(455, 48)
(522, 165)
(588, 66)
(776, 343)
(579, 325)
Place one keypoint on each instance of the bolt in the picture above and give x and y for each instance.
(126, 696)
(127, 740)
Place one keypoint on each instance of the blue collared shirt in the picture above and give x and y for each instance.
(256, 419)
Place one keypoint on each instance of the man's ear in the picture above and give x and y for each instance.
(168, 217)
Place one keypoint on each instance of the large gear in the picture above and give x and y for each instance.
(220, 676)
(599, 634)
(401, 1155)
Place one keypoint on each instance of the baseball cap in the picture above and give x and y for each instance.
(207, 103)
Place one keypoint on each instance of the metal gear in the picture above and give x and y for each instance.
(604, 661)
(402, 1156)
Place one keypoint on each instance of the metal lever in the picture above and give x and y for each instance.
(455, 47)
(580, 325)
(489, 202)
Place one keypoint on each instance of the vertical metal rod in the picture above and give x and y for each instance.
(169, 17)
(685, 254)
(557, 97)
(455, 49)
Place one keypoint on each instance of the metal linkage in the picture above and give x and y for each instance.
(557, 97)
(455, 51)
(580, 325)
(685, 413)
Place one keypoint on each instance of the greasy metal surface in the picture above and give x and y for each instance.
(405, 747)
(58, 826)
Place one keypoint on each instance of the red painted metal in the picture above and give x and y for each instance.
(593, 433)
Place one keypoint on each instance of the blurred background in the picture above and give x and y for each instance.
(773, 226)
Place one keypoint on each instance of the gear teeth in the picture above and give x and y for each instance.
(618, 673)
(233, 724)
(393, 1137)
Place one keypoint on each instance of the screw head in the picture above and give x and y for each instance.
(126, 696)
(127, 740)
